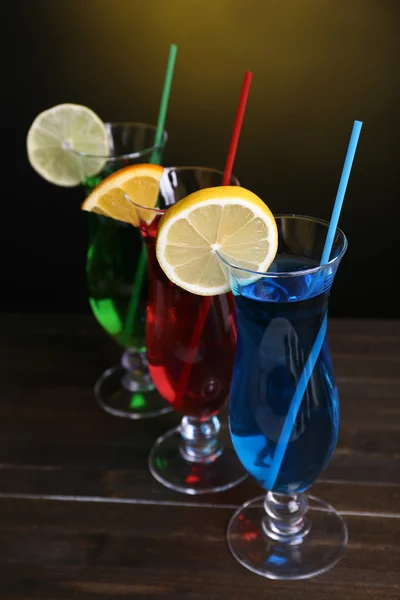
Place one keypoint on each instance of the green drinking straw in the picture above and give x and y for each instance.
(296, 401)
(155, 159)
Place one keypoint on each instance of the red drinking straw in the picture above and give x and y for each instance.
(237, 127)
(206, 304)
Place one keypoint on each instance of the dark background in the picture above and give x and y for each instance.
(317, 66)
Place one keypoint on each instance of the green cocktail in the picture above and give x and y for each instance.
(114, 248)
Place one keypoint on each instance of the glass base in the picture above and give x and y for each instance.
(318, 551)
(116, 395)
(169, 467)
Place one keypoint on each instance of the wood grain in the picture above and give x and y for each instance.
(81, 518)
(92, 550)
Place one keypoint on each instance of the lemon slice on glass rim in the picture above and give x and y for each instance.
(67, 143)
(227, 220)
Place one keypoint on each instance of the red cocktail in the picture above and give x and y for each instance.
(171, 317)
(196, 457)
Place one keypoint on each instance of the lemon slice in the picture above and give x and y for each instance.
(231, 220)
(139, 182)
(57, 134)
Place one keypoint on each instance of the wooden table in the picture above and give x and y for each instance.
(81, 518)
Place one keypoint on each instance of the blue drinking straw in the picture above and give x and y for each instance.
(337, 207)
(295, 404)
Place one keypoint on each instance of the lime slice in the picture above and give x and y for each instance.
(57, 135)
(229, 219)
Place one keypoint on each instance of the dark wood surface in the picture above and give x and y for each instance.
(81, 518)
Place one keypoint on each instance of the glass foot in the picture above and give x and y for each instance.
(118, 395)
(168, 465)
(318, 550)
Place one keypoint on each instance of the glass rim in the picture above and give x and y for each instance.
(303, 272)
(125, 155)
(161, 211)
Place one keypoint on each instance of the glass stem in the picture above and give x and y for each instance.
(136, 377)
(200, 439)
(286, 518)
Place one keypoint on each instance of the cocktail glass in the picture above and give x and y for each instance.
(284, 405)
(113, 254)
(197, 457)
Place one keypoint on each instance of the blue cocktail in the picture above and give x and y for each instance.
(284, 407)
